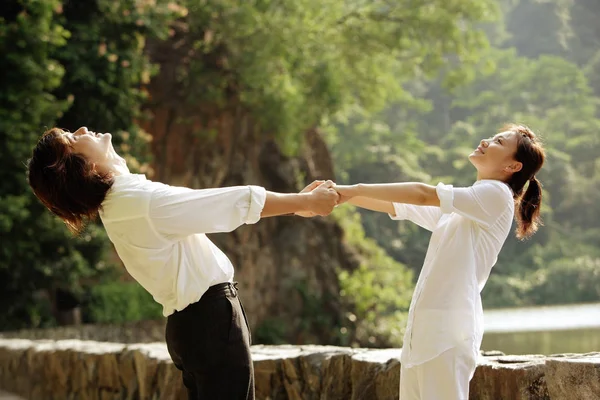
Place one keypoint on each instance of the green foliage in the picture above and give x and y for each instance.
(107, 66)
(271, 331)
(117, 302)
(375, 75)
(567, 280)
(67, 64)
(563, 281)
(36, 252)
(536, 83)
(376, 295)
(294, 64)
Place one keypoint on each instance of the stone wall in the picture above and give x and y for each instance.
(74, 369)
(147, 331)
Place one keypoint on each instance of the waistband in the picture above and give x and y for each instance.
(221, 290)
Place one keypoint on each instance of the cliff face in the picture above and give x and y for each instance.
(287, 266)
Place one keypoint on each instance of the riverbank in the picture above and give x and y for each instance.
(85, 369)
(572, 328)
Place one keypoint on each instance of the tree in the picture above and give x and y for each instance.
(36, 250)
(295, 65)
(61, 68)
(548, 92)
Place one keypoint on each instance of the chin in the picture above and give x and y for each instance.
(476, 162)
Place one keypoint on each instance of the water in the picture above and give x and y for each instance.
(543, 330)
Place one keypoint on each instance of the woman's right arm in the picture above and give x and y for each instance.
(373, 204)
(425, 216)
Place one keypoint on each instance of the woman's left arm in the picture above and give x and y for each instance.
(415, 193)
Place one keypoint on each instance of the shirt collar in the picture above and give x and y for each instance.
(129, 178)
(492, 180)
(120, 181)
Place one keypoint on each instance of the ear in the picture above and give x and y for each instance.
(516, 166)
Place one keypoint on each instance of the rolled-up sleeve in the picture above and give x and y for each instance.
(258, 196)
(182, 211)
(446, 195)
(483, 203)
(425, 216)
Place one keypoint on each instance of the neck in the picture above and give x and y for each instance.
(491, 176)
(120, 169)
(115, 166)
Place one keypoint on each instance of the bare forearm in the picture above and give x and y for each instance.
(415, 193)
(284, 203)
(373, 204)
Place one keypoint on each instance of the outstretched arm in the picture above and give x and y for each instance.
(180, 211)
(415, 193)
(399, 200)
(373, 204)
(483, 203)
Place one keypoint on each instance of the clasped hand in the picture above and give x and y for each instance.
(324, 196)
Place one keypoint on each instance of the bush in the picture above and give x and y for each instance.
(504, 291)
(567, 281)
(376, 296)
(271, 331)
(563, 281)
(118, 302)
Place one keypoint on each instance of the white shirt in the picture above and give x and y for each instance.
(468, 231)
(159, 233)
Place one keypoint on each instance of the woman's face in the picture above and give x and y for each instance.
(95, 147)
(495, 157)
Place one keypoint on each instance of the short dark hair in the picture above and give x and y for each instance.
(530, 153)
(66, 182)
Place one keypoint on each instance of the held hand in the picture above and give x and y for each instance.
(312, 186)
(323, 199)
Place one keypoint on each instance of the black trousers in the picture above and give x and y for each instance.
(209, 341)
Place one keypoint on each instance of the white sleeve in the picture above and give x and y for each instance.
(182, 211)
(425, 216)
(483, 203)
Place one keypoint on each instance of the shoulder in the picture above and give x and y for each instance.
(494, 193)
(128, 197)
(493, 187)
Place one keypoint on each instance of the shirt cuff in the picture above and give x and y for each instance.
(446, 195)
(400, 210)
(258, 196)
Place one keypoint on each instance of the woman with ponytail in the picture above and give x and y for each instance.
(469, 226)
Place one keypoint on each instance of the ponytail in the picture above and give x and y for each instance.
(530, 153)
(528, 210)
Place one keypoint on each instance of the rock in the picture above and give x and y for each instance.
(86, 370)
(509, 377)
(575, 377)
(8, 396)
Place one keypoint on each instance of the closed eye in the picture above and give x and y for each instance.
(70, 137)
